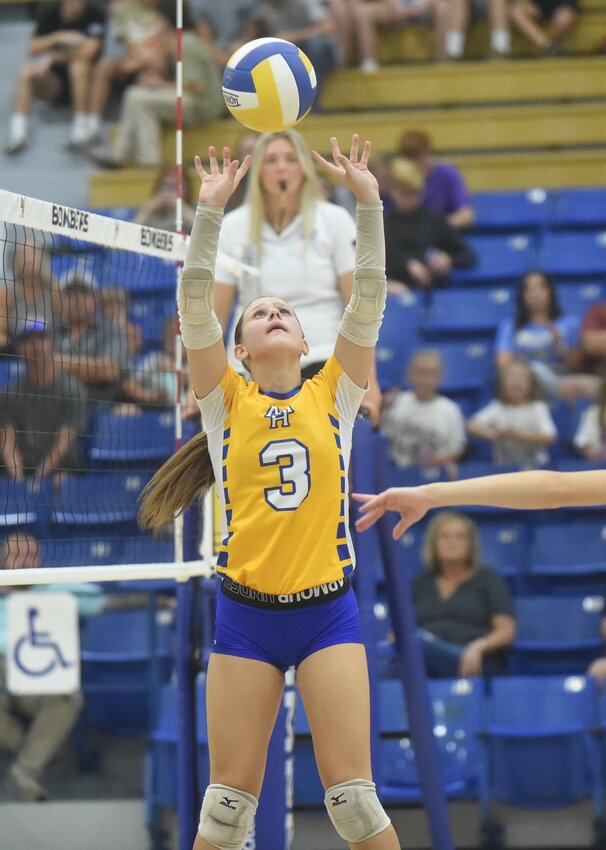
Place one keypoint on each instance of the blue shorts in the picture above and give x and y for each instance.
(285, 638)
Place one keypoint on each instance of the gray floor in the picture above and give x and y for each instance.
(44, 169)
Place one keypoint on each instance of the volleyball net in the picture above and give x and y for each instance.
(91, 387)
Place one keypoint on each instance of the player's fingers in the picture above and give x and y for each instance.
(400, 528)
(366, 152)
(212, 159)
(336, 151)
(353, 153)
(226, 158)
(198, 165)
(362, 497)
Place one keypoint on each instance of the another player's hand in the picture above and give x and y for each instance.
(352, 171)
(218, 185)
(412, 503)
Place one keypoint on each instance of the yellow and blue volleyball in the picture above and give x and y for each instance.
(269, 85)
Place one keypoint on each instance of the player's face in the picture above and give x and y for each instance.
(452, 542)
(281, 172)
(270, 327)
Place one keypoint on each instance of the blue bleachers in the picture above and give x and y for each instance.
(468, 366)
(505, 544)
(500, 259)
(577, 298)
(87, 552)
(132, 440)
(151, 314)
(399, 336)
(19, 505)
(98, 499)
(515, 211)
(570, 552)
(569, 254)
(139, 273)
(469, 311)
(582, 208)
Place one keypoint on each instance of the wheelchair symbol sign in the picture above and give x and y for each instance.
(44, 645)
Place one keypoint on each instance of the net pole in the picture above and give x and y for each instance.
(186, 723)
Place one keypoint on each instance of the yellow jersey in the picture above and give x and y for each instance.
(280, 462)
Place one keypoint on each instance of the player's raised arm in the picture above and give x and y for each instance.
(200, 330)
(359, 328)
(532, 490)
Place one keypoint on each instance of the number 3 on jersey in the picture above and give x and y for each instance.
(292, 459)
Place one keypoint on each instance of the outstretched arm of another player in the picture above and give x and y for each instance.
(200, 330)
(359, 328)
(532, 490)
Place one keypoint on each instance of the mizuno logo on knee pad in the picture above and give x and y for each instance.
(355, 810)
(228, 803)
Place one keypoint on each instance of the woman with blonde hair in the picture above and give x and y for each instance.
(464, 611)
(287, 240)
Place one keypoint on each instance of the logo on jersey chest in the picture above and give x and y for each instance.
(278, 416)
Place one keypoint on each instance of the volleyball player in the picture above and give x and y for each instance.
(279, 452)
(532, 490)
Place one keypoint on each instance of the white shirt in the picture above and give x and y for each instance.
(589, 434)
(531, 418)
(305, 275)
(422, 428)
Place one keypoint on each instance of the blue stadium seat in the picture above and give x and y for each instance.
(576, 298)
(468, 366)
(83, 261)
(19, 505)
(98, 499)
(469, 311)
(132, 440)
(566, 254)
(457, 720)
(139, 273)
(505, 544)
(151, 314)
(399, 336)
(539, 752)
(125, 657)
(569, 552)
(512, 211)
(161, 789)
(82, 552)
(500, 259)
(581, 208)
(142, 549)
(557, 634)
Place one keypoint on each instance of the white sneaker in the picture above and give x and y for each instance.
(369, 66)
(24, 786)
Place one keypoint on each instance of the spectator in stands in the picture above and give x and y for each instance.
(89, 347)
(41, 414)
(445, 191)
(137, 43)
(597, 668)
(464, 611)
(361, 20)
(152, 380)
(65, 45)
(423, 427)
(422, 247)
(546, 337)
(593, 338)
(29, 296)
(114, 304)
(461, 11)
(293, 244)
(159, 211)
(224, 27)
(531, 17)
(590, 436)
(149, 104)
(517, 422)
(308, 24)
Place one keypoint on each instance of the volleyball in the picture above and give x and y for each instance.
(269, 85)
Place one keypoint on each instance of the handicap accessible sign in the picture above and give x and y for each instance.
(44, 644)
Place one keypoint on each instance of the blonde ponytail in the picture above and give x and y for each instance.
(185, 476)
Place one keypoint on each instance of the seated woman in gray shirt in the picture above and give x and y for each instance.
(464, 611)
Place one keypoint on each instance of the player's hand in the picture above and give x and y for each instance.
(412, 503)
(352, 171)
(218, 185)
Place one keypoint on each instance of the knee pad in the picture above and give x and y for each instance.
(226, 816)
(355, 810)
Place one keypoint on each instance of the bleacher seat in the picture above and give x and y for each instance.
(139, 273)
(125, 657)
(161, 789)
(469, 311)
(468, 366)
(582, 208)
(151, 314)
(398, 337)
(86, 552)
(19, 504)
(568, 553)
(576, 298)
(567, 254)
(143, 549)
(456, 707)
(133, 440)
(98, 499)
(500, 259)
(505, 545)
(556, 634)
(516, 211)
(77, 260)
(537, 741)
